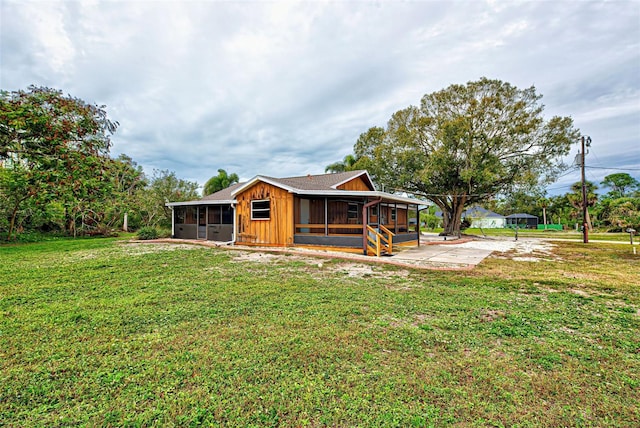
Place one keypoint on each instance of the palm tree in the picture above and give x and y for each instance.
(575, 198)
(219, 182)
(346, 164)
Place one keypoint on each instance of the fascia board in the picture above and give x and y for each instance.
(365, 173)
(259, 178)
(210, 202)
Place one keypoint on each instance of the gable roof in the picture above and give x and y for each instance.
(309, 185)
(224, 194)
(322, 182)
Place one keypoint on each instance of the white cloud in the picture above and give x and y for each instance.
(285, 88)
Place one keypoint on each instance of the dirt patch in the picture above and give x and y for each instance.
(356, 270)
(136, 248)
(491, 315)
(260, 257)
(579, 292)
(523, 250)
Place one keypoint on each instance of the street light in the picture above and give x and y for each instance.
(585, 229)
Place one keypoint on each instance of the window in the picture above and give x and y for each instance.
(393, 214)
(260, 210)
(352, 211)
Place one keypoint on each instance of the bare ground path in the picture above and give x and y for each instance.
(433, 253)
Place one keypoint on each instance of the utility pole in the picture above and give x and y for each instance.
(585, 229)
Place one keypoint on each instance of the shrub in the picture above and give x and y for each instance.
(146, 233)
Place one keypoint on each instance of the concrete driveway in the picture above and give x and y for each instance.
(442, 254)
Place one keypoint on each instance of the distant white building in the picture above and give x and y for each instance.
(482, 218)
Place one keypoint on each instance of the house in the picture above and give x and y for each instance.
(342, 210)
(483, 218)
(522, 221)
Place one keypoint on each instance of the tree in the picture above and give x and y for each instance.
(619, 214)
(620, 184)
(575, 198)
(163, 187)
(346, 164)
(52, 147)
(219, 182)
(521, 201)
(467, 143)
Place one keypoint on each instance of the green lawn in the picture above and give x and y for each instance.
(554, 234)
(99, 332)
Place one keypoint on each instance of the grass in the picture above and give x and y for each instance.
(97, 332)
(553, 234)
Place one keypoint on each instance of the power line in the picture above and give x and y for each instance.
(617, 169)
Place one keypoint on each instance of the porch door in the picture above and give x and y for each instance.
(202, 223)
(304, 214)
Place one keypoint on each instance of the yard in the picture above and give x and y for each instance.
(103, 332)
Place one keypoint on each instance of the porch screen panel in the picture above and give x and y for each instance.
(214, 214)
(401, 215)
(316, 211)
(227, 215)
(338, 212)
(190, 215)
(179, 214)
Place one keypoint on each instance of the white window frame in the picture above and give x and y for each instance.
(267, 210)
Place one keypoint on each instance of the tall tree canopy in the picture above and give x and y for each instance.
(465, 144)
(53, 147)
(620, 184)
(219, 182)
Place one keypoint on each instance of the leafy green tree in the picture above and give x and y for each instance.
(125, 178)
(521, 201)
(52, 147)
(164, 186)
(346, 164)
(560, 210)
(619, 214)
(467, 143)
(621, 184)
(219, 182)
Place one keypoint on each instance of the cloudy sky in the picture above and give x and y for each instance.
(285, 88)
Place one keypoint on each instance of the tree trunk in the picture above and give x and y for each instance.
(12, 223)
(453, 217)
(14, 214)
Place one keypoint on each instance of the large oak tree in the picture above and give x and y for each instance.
(465, 144)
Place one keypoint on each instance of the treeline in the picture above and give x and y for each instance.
(57, 176)
(613, 211)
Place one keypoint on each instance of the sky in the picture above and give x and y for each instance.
(285, 88)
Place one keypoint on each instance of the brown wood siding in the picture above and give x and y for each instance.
(356, 184)
(278, 230)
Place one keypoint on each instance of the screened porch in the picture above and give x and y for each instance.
(340, 222)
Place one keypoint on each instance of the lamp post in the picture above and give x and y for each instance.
(585, 229)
